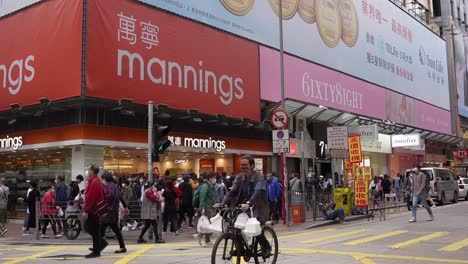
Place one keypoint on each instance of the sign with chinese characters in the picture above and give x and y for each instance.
(13, 143)
(367, 133)
(354, 147)
(374, 39)
(339, 153)
(361, 192)
(348, 164)
(281, 141)
(336, 137)
(407, 140)
(367, 172)
(169, 59)
(217, 145)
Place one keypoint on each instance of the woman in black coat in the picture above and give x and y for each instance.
(33, 196)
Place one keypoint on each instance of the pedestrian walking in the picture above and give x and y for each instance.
(4, 193)
(170, 207)
(30, 202)
(150, 209)
(94, 194)
(207, 200)
(49, 210)
(274, 196)
(420, 194)
(111, 219)
(186, 206)
(61, 199)
(408, 190)
(397, 184)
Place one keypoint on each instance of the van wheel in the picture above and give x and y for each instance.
(442, 199)
(455, 197)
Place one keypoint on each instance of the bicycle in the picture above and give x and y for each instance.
(72, 224)
(233, 244)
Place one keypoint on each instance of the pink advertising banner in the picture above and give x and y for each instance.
(310, 83)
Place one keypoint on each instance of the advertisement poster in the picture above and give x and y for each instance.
(354, 147)
(139, 52)
(40, 58)
(337, 137)
(361, 189)
(461, 56)
(373, 40)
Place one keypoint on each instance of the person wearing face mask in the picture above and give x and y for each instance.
(207, 200)
(48, 211)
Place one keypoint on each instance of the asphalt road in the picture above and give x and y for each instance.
(395, 240)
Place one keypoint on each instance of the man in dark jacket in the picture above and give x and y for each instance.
(186, 206)
(274, 196)
(75, 187)
(386, 185)
(61, 199)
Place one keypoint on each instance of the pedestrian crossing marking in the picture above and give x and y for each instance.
(419, 239)
(307, 233)
(455, 246)
(373, 238)
(319, 239)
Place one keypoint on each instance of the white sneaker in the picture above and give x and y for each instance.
(198, 239)
(431, 218)
(176, 233)
(45, 236)
(125, 229)
(58, 236)
(412, 220)
(134, 225)
(433, 206)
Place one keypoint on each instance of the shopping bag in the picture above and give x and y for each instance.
(241, 221)
(216, 225)
(203, 225)
(252, 227)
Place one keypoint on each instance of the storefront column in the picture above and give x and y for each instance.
(83, 157)
(196, 167)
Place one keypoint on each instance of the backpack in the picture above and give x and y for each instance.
(196, 197)
(105, 206)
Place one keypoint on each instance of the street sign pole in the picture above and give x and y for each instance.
(150, 140)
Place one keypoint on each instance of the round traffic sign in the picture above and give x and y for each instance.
(279, 119)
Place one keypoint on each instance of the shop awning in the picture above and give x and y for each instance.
(318, 113)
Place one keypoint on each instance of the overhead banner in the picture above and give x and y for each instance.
(406, 140)
(369, 132)
(354, 147)
(40, 57)
(141, 53)
(10, 6)
(371, 39)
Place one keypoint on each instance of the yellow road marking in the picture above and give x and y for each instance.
(319, 239)
(234, 260)
(32, 257)
(419, 239)
(307, 233)
(373, 238)
(363, 259)
(134, 255)
(379, 256)
(455, 246)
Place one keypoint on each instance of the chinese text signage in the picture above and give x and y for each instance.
(336, 137)
(374, 39)
(367, 173)
(361, 192)
(354, 147)
(146, 54)
(209, 143)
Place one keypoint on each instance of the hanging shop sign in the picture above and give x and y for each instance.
(367, 133)
(460, 153)
(179, 161)
(408, 140)
(337, 137)
(13, 143)
(348, 164)
(218, 145)
(382, 145)
(339, 153)
(355, 153)
(367, 172)
(361, 192)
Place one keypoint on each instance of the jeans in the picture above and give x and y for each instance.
(423, 199)
(337, 213)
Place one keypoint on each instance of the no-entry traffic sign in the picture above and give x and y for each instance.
(279, 119)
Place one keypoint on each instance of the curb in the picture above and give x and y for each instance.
(330, 222)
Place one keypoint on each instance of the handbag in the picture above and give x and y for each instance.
(203, 225)
(241, 221)
(216, 225)
(252, 227)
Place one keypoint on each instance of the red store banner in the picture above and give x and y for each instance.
(40, 53)
(139, 52)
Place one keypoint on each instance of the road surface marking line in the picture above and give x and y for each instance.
(369, 255)
(363, 259)
(455, 246)
(373, 238)
(307, 233)
(418, 240)
(134, 255)
(32, 257)
(319, 239)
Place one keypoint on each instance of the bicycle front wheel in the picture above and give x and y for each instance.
(266, 253)
(226, 250)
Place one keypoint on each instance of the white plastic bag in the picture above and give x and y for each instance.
(253, 227)
(216, 225)
(203, 225)
(241, 221)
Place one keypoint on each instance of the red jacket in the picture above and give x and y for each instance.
(48, 204)
(94, 194)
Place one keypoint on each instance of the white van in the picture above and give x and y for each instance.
(444, 186)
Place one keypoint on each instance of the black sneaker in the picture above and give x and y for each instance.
(141, 241)
(159, 241)
(93, 255)
(266, 252)
(104, 245)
